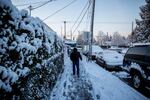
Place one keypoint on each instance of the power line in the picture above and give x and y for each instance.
(87, 21)
(42, 4)
(80, 14)
(33, 8)
(59, 10)
(113, 22)
(96, 22)
(81, 19)
(27, 4)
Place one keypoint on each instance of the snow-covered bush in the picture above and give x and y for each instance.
(28, 49)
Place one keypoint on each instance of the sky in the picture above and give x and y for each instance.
(110, 15)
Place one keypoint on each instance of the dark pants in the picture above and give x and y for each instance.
(76, 67)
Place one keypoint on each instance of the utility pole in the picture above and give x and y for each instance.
(71, 35)
(91, 29)
(132, 27)
(64, 29)
(61, 32)
(30, 8)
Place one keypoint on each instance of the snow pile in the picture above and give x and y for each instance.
(121, 74)
(26, 45)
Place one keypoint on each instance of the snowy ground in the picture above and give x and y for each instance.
(94, 84)
(121, 74)
(72, 88)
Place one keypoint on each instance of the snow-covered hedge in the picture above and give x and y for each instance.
(27, 48)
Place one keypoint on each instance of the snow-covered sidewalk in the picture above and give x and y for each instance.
(72, 88)
(94, 84)
(109, 87)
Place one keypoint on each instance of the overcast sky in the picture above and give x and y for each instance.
(110, 15)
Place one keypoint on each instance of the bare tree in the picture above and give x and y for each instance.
(117, 39)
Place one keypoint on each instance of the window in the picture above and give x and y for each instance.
(138, 50)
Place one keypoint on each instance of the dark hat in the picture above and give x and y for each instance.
(75, 50)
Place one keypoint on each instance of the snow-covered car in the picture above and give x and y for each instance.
(85, 53)
(137, 63)
(119, 50)
(110, 59)
(124, 50)
(95, 51)
(79, 47)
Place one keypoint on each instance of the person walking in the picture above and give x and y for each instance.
(75, 56)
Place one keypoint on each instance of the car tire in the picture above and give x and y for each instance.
(137, 81)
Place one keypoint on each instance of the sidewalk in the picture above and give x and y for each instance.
(69, 87)
(94, 84)
(109, 87)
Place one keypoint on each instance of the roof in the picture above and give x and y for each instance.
(141, 44)
(70, 42)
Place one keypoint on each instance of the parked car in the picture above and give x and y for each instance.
(110, 59)
(119, 50)
(124, 50)
(137, 63)
(85, 53)
(95, 51)
(79, 47)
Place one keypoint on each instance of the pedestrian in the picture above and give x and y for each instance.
(75, 56)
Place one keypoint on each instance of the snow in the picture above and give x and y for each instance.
(136, 66)
(4, 86)
(70, 42)
(8, 77)
(96, 49)
(27, 47)
(27, 27)
(124, 50)
(37, 42)
(121, 74)
(148, 78)
(48, 48)
(26, 42)
(69, 88)
(110, 87)
(5, 3)
(23, 72)
(96, 82)
(24, 12)
(21, 38)
(140, 44)
(111, 57)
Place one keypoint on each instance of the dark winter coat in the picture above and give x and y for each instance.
(75, 55)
